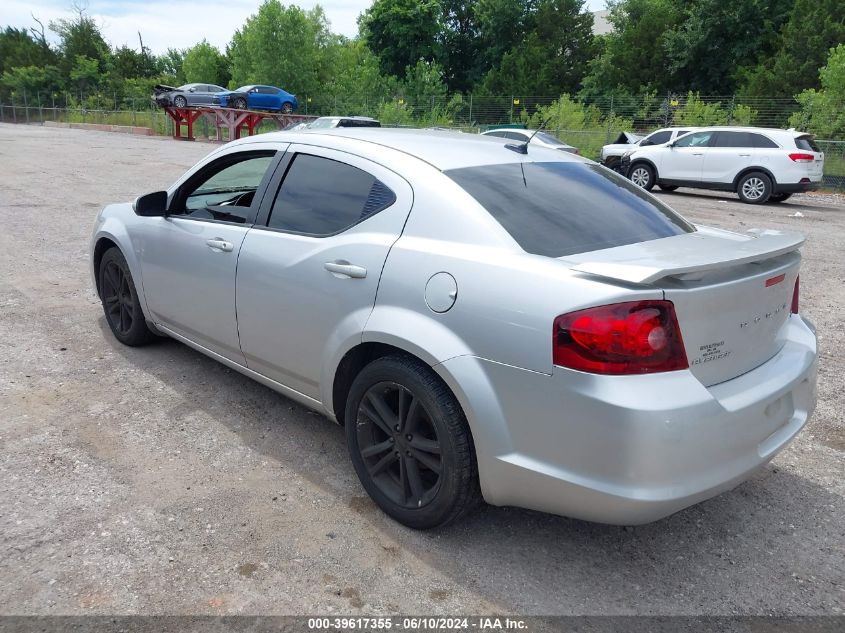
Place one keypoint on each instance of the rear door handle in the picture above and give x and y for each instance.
(220, 244)
(745, 154)
(698, 153)
(345, 269)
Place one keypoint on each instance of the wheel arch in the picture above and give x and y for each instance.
(748, 170)
(113, 233)
(647, 161)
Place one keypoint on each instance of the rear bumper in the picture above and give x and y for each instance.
(629, 449)
(797, 187)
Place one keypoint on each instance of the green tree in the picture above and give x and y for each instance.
(127, 63)
(80, 36)
(554, 56)
(85, 73)
(500, 25)
(18, 48)
(634, 58)
(283, 46)
(717, 40)
(203, 63)
(460, 44)
(813, 28)
(822, 112)
(170, 63)
(402, 32)
(30, 82)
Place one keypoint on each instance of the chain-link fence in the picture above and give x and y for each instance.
(586, 123)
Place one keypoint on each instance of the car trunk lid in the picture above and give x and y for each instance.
(732, 293)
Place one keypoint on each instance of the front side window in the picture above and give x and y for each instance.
(321, 197)
(733, 139)
(225, 190)
(698, 139)
(562, 208)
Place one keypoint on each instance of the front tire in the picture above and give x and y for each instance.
(754, 188)
(642, 175)
(410, 443)
(180, 102)
(120, 301)
(239, 103)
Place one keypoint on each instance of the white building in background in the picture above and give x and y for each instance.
(601, 25)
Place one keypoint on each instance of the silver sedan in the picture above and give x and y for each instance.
(529, 329)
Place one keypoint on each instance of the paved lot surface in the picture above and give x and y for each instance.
(157, 481)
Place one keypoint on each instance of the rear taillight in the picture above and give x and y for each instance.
(802, 158)
(795, 296)
(635, 337)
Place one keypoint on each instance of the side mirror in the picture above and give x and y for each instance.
(151, 205)
(192, 89)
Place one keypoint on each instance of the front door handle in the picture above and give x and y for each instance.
(745, 154)
(344, 269)
(220, 244)
(698, 153)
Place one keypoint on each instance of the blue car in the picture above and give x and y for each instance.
(257, 97)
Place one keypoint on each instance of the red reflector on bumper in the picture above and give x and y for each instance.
(775, 280)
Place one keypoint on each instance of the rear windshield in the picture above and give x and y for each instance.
(548, 138)
(562, 208)
(807, 143)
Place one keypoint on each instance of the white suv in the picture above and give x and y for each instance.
(759, 164)
(611, 155)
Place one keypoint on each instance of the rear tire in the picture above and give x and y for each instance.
(410, 443)
(287, 107)
(120, 301)
(779, 197)
(754, 188)
(667, 187)
(642, 175)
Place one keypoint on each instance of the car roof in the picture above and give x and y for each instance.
(443, 150)
(758, 130)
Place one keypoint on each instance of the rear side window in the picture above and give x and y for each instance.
(561, 208)
(807, 143)
(762, 142)
(658, 138)
(323, 197)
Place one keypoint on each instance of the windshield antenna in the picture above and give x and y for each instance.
(522, 148)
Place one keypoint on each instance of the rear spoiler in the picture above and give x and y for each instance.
(705, 250)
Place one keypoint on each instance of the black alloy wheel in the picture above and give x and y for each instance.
(410, 443)
(120, 301)
(399, 445)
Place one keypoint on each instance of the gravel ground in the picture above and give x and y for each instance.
(157, 481)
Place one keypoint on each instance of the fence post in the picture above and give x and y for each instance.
(609, 121)
(25, 106)
(470, 109)
(731, 110)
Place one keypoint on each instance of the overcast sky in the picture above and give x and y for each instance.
(176, 23)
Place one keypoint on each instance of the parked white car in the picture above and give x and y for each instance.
(611, 155)
(535, 137)
(759, 164)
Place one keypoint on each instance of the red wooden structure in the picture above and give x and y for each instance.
(236, 122)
